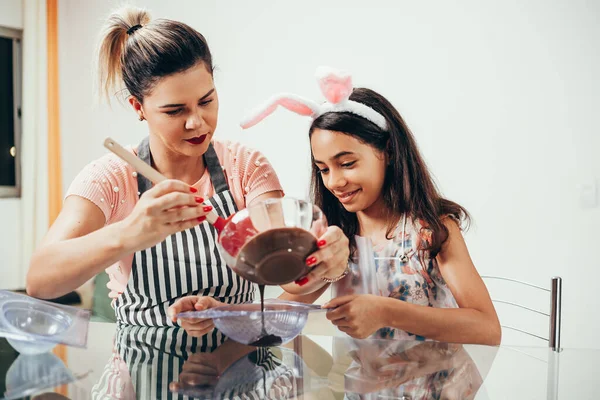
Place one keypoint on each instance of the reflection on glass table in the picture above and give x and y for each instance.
(165, 363)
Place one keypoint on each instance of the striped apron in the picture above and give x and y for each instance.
(185, 263)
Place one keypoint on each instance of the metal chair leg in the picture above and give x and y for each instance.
(555, 314)
(553, 376)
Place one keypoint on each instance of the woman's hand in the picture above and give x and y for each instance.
(202, 370)
(199, 371)
(196, 327)
(167, 208)
(357, 315)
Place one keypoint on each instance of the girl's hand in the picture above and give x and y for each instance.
(331, 260)
(357, 315)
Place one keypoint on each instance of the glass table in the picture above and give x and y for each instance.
(321, 363)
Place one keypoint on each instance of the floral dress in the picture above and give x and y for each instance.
(396, 269)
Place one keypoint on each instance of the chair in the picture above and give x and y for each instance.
(554, 326)
(555, 309)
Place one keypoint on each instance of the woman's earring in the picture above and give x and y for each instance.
(141, 117)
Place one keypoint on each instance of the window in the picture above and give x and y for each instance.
(10, 112)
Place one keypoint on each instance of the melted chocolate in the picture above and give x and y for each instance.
(265, 340)
(276, 256)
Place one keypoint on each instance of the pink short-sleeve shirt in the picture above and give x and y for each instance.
(111, 184)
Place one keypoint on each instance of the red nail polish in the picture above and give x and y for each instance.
(199, 199)
(302, 281)
(201, 219)
(321, 243)
(193, 190)
(207, 208)
(311, 260)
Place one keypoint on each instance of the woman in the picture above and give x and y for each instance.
(153, 241)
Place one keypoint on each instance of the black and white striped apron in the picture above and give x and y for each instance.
(186, 263)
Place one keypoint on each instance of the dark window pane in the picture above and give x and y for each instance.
(7, 132)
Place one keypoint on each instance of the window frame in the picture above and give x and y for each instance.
(17, 37)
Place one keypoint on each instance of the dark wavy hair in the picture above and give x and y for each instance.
(408, 186)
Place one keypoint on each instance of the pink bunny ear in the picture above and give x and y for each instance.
(294, 103)
(335, 85)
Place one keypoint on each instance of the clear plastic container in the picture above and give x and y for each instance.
(30, 374)
(247, 324)
(256, 375)
(34, 326)
(22, 316)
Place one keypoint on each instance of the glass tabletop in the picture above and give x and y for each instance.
(165, 363)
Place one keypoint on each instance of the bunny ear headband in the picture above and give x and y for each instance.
(336, 87)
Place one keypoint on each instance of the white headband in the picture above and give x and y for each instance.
(335, 85)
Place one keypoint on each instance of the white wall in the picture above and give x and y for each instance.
(10, 211)
(11, 16)
(501, 96)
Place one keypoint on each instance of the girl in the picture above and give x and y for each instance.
(154, 242)
(370, 180)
